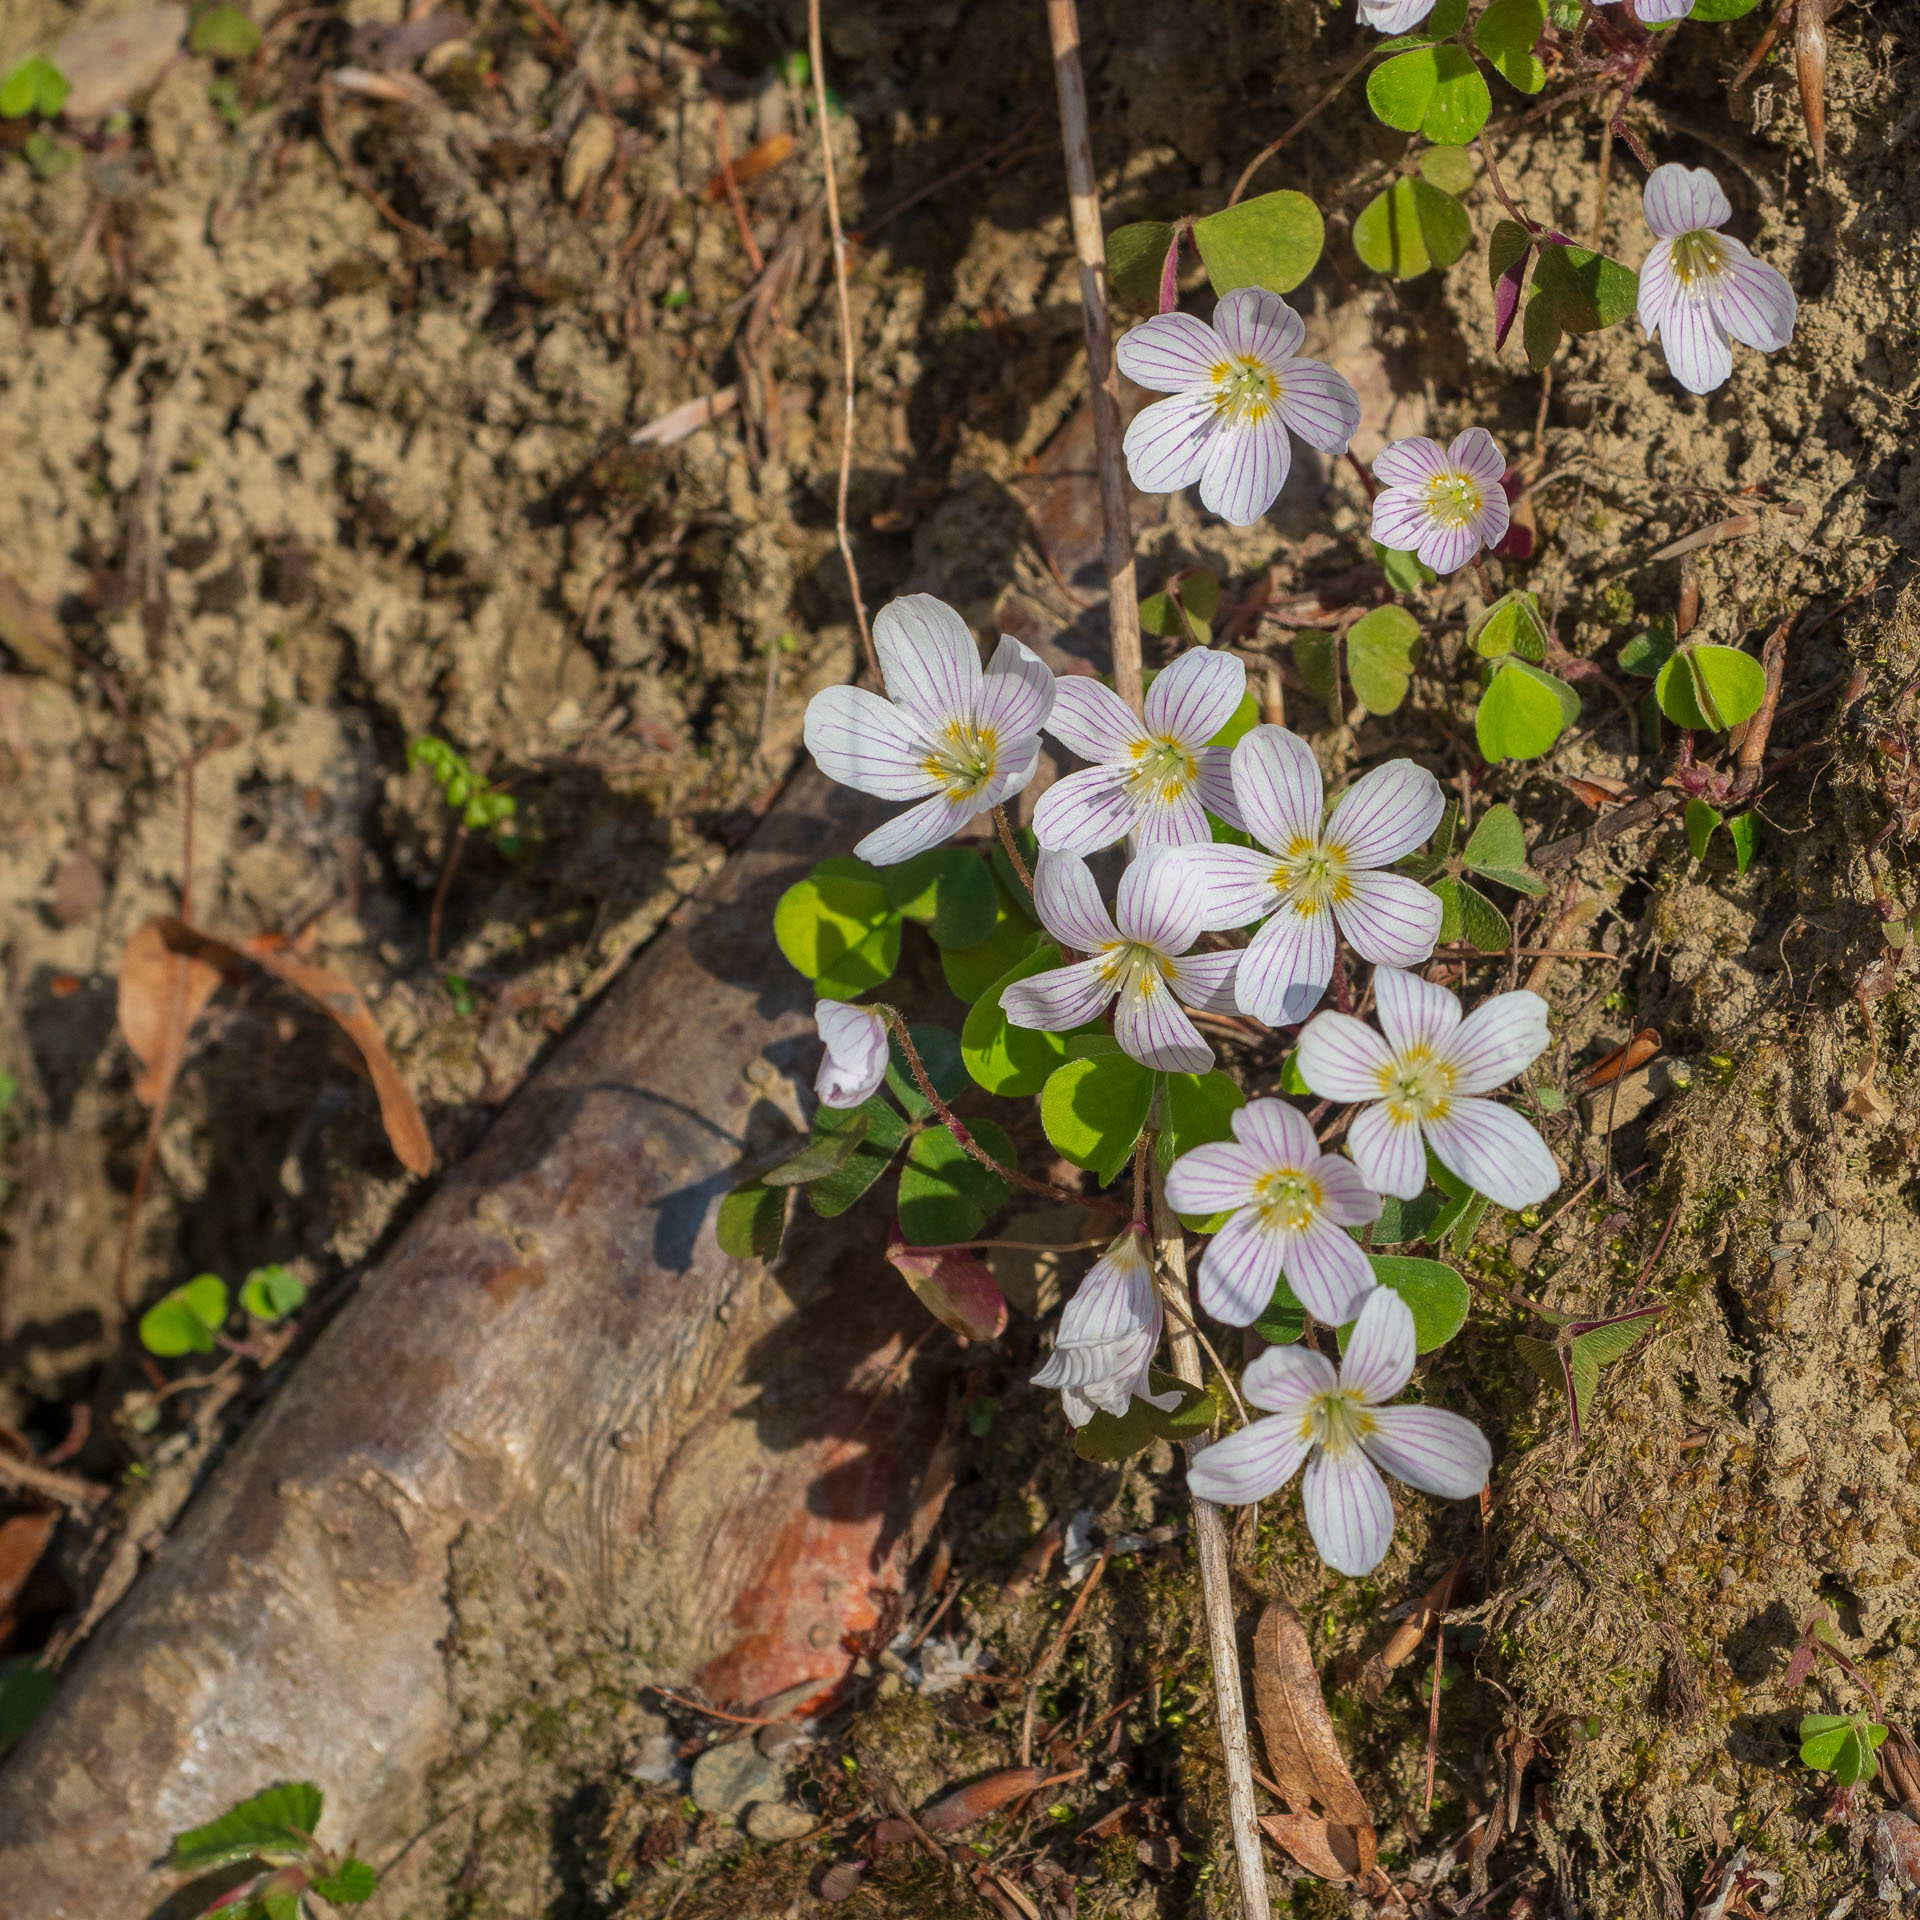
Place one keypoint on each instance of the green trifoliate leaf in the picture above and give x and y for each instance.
(1649, 650)
(1438, 91)
(946, 1194)
(1702, 819)
(1380, 650)
(1710, 688)
(1467, 914)
(838, 927)
(1523, 712)
(751, 1221)
(949, 890)
(1436, 1293)
(1136, 258)
(826, 1152)
(1271, 241)
(36, 87)
(1512, 625)
(1093, 1110)
(1843, 1744)
(272, 1292)
(1507, 34)
(187, 1319)
(275, 1825)
(1410, 228)
(1575, 290)
(1498, 851)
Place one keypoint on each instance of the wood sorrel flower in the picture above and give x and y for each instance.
(1155, 780)
(1700, 290)
(1396, 16)
(1443, 504)
(1139, 962)
(957, 740)
(856, 1059)
(1238, 388)
(1108, 1334)
(1305, 878)
(1655, 13)
(1421, 1080)
(1290, 1204)
(1339, 1424)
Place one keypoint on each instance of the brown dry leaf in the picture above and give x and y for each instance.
(1301, 1747)
(78, 888)
(1636, 1053)
(970, 1803)
(1410, 1632)
(162, 993)
(1328, 1849)
(23, 1539)
(751, 165)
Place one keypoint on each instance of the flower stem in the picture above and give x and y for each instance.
(1012, 846)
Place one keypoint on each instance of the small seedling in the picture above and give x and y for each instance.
(483, 807)
(36, 89)
(275, 1832)
(1842, 1744)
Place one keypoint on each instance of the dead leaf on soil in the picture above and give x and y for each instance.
(1302, 1749)
(23, 1539)
(982, 1797)
(1410, 1633)
(162, 993)
(31, 631)
(1327, 1849)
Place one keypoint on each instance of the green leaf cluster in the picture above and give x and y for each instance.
(1843, 1744)
(482, 808)
(277, 1825)
(1496, 851)
(187, 1320)
(34, 88)
(1575, 290)
(1418, 223)
(272, 1292)
(1184, 608)
(1697, 685)
(1704, 820)
(1580, 1347)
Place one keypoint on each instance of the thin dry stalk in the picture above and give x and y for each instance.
(816, 55)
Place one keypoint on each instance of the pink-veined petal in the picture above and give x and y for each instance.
(1115, 1300)
(1498, 1039)
(1161, 825)
(1213, 782)
(1090, 719)
(1152, 1027)
(1204, 980)
(1287, 1381)
(867, 743)
(1349, 1511)
(1327, 1271)
(1392, 16)
(1260, 325)
(1067, 900)
(1018, 764)
(1657, 13)
(1232, 884)
(1410, 463)
(1681, 199)
(1755, 302)
(1319, 405)
(1432, 1449)
(856, 1059)
(1086, 811)
(1214, 1178)
(1170, 442)
(1388, 1153)
(1059, 1000)
(1170, 353)
(1016, 694)
(1346, 1199)
(1276, 1134)
(1698, 353)
(1490, 524)
(1478, 453)
(1493, 1150)
(1155, 905)
(1657, 290)
(1386, 813)
(1389, 919)
(1400, 519)
(1249, 1465)
(1342, 1058)
(1278, 781)
(1285, 969)
(1240, 1269)
(914, 831)
(1447, 549)
(1195, 697)
(1247, 465)
(1380, 1352)
(929, 659)
(1414, 1012)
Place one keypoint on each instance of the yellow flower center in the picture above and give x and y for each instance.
(1697, 256)
(1337, 1421)
(1416, 1086)
(963, 758)
(1243, 389)
(1313, 876)
(1163, 769)
(1132, 966)
(1288, 1199)
(1454, 500)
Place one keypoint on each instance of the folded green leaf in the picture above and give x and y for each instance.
(1512, 625)
(825, 1153)
(1702, 818)
(1744, 831)
(276, 1825)
(1136, 257)
(1467, 914)
(1523, 712)
(1109, 1437)
(1649, 650)
(751, 1221)
(1710, 688)
(1271, 241)
(272, 1292)
(1410, 228)
(349, 1885)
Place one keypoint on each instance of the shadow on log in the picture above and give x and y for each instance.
(558, 1360)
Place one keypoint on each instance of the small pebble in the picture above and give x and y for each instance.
(778, 1820)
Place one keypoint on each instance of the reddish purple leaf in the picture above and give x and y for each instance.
(1517, 542)
(957, 1288)
(841, 1882)
(1506, 297)
(1170, 276)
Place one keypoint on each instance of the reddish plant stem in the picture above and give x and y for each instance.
(1012, 847)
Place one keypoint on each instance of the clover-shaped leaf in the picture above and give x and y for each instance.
(272, 1292)
(1411, 227)
(949, 890)
(1710, 688)
(1434, 90)
(1136, 257)
(1523, 712)
(1572, 1360)
(187, 1320)
(1271, 241)
(1512, 625)
(1507, 34)
(751, 1221)
(1380, 650)
(1843, 1744)
(1575, 290)
(1093, 1109)
(839, 927)
(35, 87)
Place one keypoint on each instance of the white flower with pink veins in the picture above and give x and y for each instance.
(1443, 503)
(1396, 16)
(1108, 1334)
(856, 1057)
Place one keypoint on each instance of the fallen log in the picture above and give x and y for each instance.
(557, 1360)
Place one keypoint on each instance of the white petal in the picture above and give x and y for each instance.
(1016, 695)
(1170, 353)
(1698, 353)
(1276, 1134)
(1068, 903)
(1232, 884)
(1478, 453)
(1213, 782)
(914, 831)
(1214, 1178)
(1239, 1270)
(1410, 463)
(1285, 970)
(1392, 16)
(1086, 811)
(1681, 199)
(1432, 1449)
(928, 658)
(1400, 518)
(1347, 1199)
(1090, 719)
(1447, 549)
(1492, 1149)
(1756, 304)
(1018, 764)
(1287, 1380)
(1162, 825)
(1115, 1300)
(1490, 524)
(1657, 13)
(1059, 1000)
(1498, 1039)
(1327, 1271)
(1342, 1058)
(1195, 697)
(1319, 405)
(856, 1062)
(1349, 1511)
(1390, 919)
(1249, 1465)
(1386, 813)
(1388, 1153)
(1204, 980)
(1657, 288)
(867, 743)
(1380, 1353)
(1259, 325)
(1247, 465)
(1278, 781)
(1414, 1012)
(1168, 443)
(1152, 1028)
(1155, 906)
